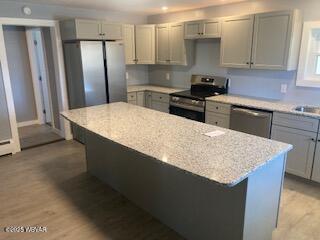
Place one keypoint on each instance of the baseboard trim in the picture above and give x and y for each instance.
(28, 123)
(6, 148)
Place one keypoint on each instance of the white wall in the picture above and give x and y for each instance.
(41, 11)
(259, 83)
(20, 73)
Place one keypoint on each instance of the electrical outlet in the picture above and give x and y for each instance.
(167, 76)
(127, 76)
(284, 88)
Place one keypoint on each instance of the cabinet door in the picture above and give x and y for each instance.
(220, 120)
(177, 45)
(148, 99)
(145, 44)
(316, 164)
(162, 44)
(211, 28)
(160, 106)
(300, 158)
(193, 29)
(236, 42)
(129, 44)
(88, 29)
(271, 40)
(140, 99)
(111, 31)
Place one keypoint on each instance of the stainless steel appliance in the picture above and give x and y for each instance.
(191, 103)
(95, 72)
(255, 122)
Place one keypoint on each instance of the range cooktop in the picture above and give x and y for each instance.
(196, 95)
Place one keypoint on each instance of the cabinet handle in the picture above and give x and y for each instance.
(216, 123)
(252, 63)
(313, 140)
(247, 63)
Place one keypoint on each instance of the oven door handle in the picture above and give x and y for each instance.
(187, 107)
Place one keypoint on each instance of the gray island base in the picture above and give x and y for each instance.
(192, 206)
(201, 191)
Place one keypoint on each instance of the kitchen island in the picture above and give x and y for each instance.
(224, 186)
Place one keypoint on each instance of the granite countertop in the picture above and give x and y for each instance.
(260, 103)
(153, 88)
(226, 159)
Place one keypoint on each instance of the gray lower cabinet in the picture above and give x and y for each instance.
(218, 114)
(160, 106)
(218, 119)
(316, 165)
(148, 99)
(300, 158)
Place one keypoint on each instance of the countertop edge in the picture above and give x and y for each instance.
(225, 184)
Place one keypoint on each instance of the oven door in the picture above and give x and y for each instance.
(187, 113)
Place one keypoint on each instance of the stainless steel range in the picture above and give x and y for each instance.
(191, 103)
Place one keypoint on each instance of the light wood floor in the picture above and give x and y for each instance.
(36, 135)
(48, 186)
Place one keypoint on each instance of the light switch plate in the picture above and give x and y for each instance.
(127, 76)
(284, 88)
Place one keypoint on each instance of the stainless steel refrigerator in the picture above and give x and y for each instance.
(95, 72)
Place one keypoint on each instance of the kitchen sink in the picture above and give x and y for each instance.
(308, 109)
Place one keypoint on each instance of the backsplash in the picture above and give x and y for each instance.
(256, 83)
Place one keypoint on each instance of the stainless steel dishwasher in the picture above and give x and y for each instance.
(251, 121)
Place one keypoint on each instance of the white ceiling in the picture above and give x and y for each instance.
(147, 7)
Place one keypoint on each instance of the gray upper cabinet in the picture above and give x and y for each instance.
(129, 44)
(193, 29)
(171, 48)
(300, 158)
(145, 44)
(209, 28)
(90, 30)
(316, 165)
(262, 41)
(236, 41)
(162, 44)
(177, 45)
(111, 31)
(274, 36)
(139, 44)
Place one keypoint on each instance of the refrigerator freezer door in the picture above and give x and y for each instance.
(117, 84)
(94, 79)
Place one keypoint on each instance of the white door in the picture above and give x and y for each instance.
(129, 44)
(177, 45)
(145, 44)
(42, 75)
(271, 40)
(236, 41)
(162, 44)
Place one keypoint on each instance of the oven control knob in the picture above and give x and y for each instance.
(195, 102)
(175, 98)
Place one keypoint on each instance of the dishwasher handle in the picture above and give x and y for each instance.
(251, 112)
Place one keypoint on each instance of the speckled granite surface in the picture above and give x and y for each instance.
(264, 104)
(169, 139)
(153, 88)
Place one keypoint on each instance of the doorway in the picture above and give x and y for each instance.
(29, 55)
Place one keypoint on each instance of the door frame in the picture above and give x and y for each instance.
(37, 88)
(14, 145)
